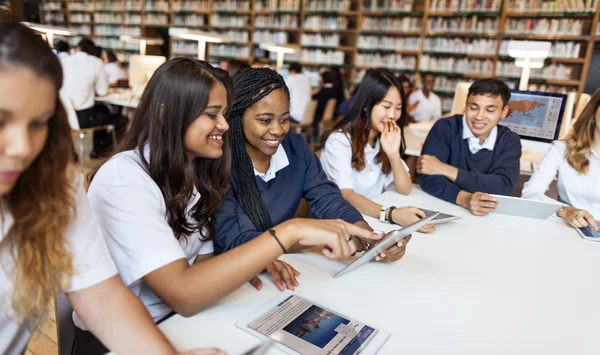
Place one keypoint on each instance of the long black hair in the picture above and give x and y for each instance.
(251, 85)
(375, 85)
(175, 96)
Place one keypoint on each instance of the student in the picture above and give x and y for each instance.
(155, 199)
(361, 154)
(299, 86)
(323, 94)
(577, 163)
(425, 104)
(269, 163)
(234, 66)
(62, 49)
(466, 157)
(113, 68)
(50, 240)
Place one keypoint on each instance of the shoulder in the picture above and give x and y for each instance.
(447, 124)
(295, 146)
(505, 134)
(436, 97)
(339, 138)
(123, 169)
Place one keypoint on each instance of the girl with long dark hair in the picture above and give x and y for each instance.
(156, 197)
(362, 153)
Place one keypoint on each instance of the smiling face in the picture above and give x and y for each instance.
(204, 137)
(265, 124)
(389, 108)
(483, 112)
(24, 119)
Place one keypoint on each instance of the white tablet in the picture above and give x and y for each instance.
(300, 326)
(523, 207)
(388, 241)
(442, 218)
(588, 233)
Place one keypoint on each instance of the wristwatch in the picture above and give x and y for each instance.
(382, 213)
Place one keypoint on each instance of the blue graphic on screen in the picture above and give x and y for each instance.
(316, 326)
(528, 112)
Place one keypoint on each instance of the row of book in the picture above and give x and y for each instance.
(388, 5)
(156, 5)
(191, 20)
(326, 22)
(111, 30)
(456, 65)
(396, 24)
(115, 43)
(553, 71)
(327, 5)
(85, 30)
(191, 5)
(108, 18)
(552, 5)
(278, 5)
(156, 19)
(460, 45)
(323, 56)
(466, 5)
(231, 5)
(568, 49)
(228, 50)
(321, 40)
(279, 21)
(473, 24)
(392, 61)
(232, 21)
(279, 37)
(389, 43)
(564, 26)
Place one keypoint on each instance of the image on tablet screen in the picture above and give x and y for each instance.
(441, 216)
(590, 232)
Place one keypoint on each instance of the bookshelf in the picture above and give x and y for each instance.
(456, 39)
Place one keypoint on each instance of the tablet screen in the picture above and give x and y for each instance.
(589, 232)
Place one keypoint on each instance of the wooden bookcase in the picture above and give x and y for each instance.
(350, 34)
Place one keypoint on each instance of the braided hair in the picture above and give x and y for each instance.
(251, 85)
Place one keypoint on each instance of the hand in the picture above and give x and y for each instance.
(391, 138)
(394, 253)
(333, 235)
(409, 215)
(213, 351)
(430, 165)
(480, 204)
(412, 107)
(284, 276)
(579, 218)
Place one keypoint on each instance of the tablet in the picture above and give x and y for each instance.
(523, 207)
(388, 240)
(588, 233)
(299, 326)
(442, 218)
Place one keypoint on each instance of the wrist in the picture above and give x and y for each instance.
(288, 233)
(463, 199)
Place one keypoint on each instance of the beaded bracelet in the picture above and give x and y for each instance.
(272, 233)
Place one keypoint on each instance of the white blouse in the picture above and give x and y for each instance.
(578, 190)
(131, 211)
(336, 159)
(91, 265)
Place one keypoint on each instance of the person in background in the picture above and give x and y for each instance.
(300, 95)
(268, 163)
(323, 94)
(425, 104)
(156, 198)
(466, 157)
(234, 66)
(50, 240)
(340, 88)
(84, 79)
(362, 153)
(113, 68)
(577, 163)
(62, 49)
(406, 85)
(345, 107)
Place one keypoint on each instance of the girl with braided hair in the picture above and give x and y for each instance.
(272, 171)
(155, 198)
(362, 153)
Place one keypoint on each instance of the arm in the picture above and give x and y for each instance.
(541, 179)
(101, 83)
(102, 308)
(437, 144)
(503, 175)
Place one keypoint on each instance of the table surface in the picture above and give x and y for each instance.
(124, 99)
(479, 285)
(532, 152)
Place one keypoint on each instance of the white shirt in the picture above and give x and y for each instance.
(336, 159)
(84, 78)
(474, 145)
(91, 263)
(300, 95)
(115, 73)
(131, 211)
(63, 55)
(429, 108)
(278, 161)
(581, 191)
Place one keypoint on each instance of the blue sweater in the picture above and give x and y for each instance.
(302, 178)
(494, 172)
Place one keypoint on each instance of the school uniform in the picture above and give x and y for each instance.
(91, 261)
(294, 173)
(336, 159)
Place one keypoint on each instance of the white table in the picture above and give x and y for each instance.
(124, 99)
(532, 152)
(480, 285)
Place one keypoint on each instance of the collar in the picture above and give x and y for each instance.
(474, 145)
(278, 161)
(81, 54)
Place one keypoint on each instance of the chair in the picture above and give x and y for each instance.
(307, 118)
(64, 324)
(74, 123)
(328, 115)
(460, 98)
